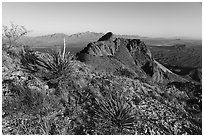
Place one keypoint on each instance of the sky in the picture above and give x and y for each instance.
(144, 19)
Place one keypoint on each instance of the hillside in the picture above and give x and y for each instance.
(77, 100)
(115, 87)
(180, 60)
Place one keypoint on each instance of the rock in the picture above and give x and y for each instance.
(110, 53)
(196, 74)
(106, 37)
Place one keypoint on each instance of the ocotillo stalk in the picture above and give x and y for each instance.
(64, 49)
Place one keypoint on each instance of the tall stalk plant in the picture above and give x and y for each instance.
(50, 67)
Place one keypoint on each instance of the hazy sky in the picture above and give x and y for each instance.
(144, 19)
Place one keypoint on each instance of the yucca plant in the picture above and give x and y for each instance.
(116, 111)
(51, 67)
(29, 60)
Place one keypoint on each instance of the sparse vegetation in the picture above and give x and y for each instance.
(51, 67)
(52, 94)
(11, 34)
(115, 113)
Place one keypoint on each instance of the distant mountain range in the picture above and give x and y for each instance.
(82, 39)
(57, 39)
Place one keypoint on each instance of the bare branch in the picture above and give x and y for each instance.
(13, 33)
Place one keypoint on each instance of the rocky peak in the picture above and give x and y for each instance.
(131, 53)
(107, 36)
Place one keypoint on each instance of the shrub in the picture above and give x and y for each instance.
(114, 114)
(51, 67)
(12, 34)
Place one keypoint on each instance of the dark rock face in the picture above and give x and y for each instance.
(106, 37)
(196, 75)
(109, 53)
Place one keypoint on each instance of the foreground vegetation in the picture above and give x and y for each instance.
(48, 94)
(54, 94)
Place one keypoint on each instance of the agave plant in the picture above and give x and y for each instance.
(117, 111)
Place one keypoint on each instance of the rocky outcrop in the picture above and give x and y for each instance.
(112, 53)
(107, 36)
(196, 74)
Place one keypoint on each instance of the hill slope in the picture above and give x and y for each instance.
(37, 99)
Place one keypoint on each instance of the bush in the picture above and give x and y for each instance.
(114, 114)
(12, 34)
(51, 67)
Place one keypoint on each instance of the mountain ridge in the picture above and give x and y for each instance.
(81, 39)
(133, 53)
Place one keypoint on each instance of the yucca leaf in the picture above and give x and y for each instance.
(115, 109)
